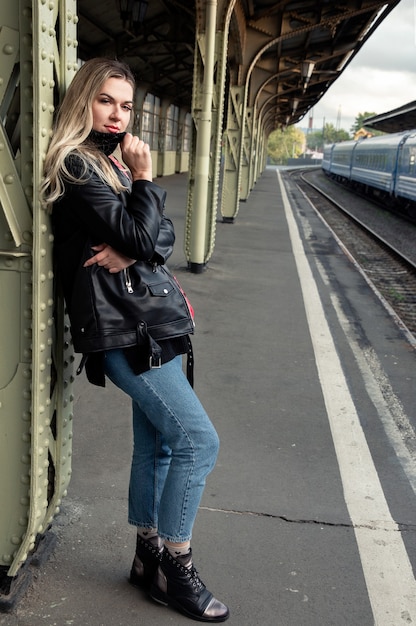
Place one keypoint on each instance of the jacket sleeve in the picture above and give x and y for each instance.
(165, 241)
(136, 227)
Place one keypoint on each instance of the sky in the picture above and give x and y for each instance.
(381, 77)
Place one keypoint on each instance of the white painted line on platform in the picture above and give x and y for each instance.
(387, 570)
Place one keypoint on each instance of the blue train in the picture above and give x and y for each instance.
(383, 167)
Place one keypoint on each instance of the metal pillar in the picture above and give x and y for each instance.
(35, 354)
(231, 186)
(247, 154)
(198, 226)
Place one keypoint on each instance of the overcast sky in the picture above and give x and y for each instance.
(381, 77)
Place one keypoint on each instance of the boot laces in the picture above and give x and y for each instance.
(194, 578)
(191, 574)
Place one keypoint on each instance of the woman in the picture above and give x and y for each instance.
(112, 240)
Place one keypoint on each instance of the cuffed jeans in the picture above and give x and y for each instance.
(175, 446)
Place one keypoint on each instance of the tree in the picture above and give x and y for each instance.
(329, 134)
(359, 123)
(285, 144)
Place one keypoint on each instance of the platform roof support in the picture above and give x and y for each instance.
(36, 356)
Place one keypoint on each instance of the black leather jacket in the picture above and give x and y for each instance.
(112, 310)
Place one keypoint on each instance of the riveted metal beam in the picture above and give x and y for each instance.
(36, 356)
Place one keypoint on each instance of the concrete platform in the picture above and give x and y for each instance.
(301, 524)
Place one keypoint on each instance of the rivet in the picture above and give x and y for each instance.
(8, 49)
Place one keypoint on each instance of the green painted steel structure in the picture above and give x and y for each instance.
(38, 58)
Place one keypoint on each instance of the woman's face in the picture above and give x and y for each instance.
(112, 106)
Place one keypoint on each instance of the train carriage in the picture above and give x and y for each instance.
(405, 186)
(384, 167)
(327, 158)
(374, 161)
(341, 159)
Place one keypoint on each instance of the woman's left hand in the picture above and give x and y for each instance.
(109, 258)
(137, 156)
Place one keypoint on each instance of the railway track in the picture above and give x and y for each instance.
(381, 257)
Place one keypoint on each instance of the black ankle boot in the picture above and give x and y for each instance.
(177, 583)
(146, 561)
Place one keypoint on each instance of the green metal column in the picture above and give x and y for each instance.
(231, 186)
(257, 147)
(246, 163)
(197, 226)
(254, 150)
(35, 353)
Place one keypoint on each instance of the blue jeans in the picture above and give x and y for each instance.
(175, 446)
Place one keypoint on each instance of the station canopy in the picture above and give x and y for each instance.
(394, 121)
(287, 52)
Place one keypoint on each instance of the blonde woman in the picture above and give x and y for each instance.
(131, 322)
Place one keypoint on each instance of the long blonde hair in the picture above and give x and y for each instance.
(73, 125)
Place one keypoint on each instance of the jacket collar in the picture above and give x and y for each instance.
(106, 142)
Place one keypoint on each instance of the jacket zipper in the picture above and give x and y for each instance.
(127, 280)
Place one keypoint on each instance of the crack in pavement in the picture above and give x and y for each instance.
(379, 525)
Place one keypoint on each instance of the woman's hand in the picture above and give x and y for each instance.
(136, 155)
(109, 258)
